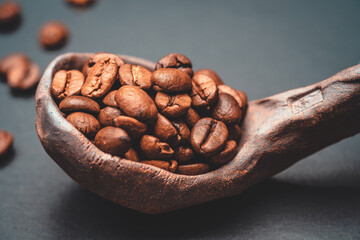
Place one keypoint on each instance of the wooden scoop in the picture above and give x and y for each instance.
(277, 132)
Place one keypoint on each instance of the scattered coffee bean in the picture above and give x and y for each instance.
(238, 96)
(183, 154)
(204, 91)
(211, 74)
(53, 35)
(193, 169)
(135, 76)
(225, 155)
(96, 57)
(79, 104)
(67, 83)
(20, 73)
(171, 80)
(6, 141)
(176, 60)
(132, 155)
(227, 110)
(208, 136)
(152, 148)
(85, 123)
(10, 14)
(80, 3)
(109, 99)
(132, 126)
(113, 140)
(191, 117)
(172, 106)
(135, 102)
(107, 115)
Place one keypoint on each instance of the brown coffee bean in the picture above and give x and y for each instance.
(96, 57)
(6, 141)
(20, 73)
(135, 76)
(193, 169)
(204, 91)
(227, 110)
(173, 166)
(80, 3)
(183, 131)
(10, 13)
(234, 132)
(109, 99)
(67, 83)
(172, 106)
(158, 163)
(244, 99)
(135, 102)
(191, 117)
(152, 148)
(176, 60)
(210, 73)
(183, 154)
(100, 78)
(166, 131)
(85, 123)
(53, 35)
(107, 116)
(113, 140)
(208, 136)
(171, 80)
(132, 155)
(225, 155)
(131, 125)
(229, 90)
(79, 104)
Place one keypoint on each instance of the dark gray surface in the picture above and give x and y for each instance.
(261, 47)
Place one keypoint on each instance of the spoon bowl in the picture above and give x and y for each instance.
(276, 132)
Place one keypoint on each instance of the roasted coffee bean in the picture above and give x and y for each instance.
(67, 83)
(53, 35)
(152, 148)
(176, 60)
(135, 76)
(10, 13)
(132, 155)
(20, 73)
(193, 169)
(210, 73)
(208, 136)
(244, 99)
(172, 106)
(183, 154)
(79, 104)
(107, 115)
(96, 57)
(85, 123)
(100, 78)
(191, 117)
(132, 126)
(135, 102)
(227, 109)
(173, 166)
(109, 99)
(80, 3)
(166, 131)
(239, 98)
(183, 131)
(168, 166)
(6, 141)
(113, 140)
(225, 155)
(234, 132)
(204, 91)
(171, 80)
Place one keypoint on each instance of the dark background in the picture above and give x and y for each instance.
(261, 47)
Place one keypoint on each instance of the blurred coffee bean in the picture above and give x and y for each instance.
(113, 140)
(107, 115)
(208, 136)
(204, 91)
(96, 57)
(100, 78)
(176, 60)
(109, 99)
(211, 74)
(225, 155)
(85, 123)
(171, 80)
(131, 155)
(193, 169)
(227, 110)
(172, 105)
(10, 14)
(191, 117)
(132, 126)
(79, 104)
(80, 3)
(6, 141)
(135, 76)
(152, 148)
(67, 83)
(183, 154)
(53, 35)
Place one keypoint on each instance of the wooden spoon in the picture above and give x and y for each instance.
(276, 132)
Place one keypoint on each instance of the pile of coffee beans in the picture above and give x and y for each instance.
(169, 117)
